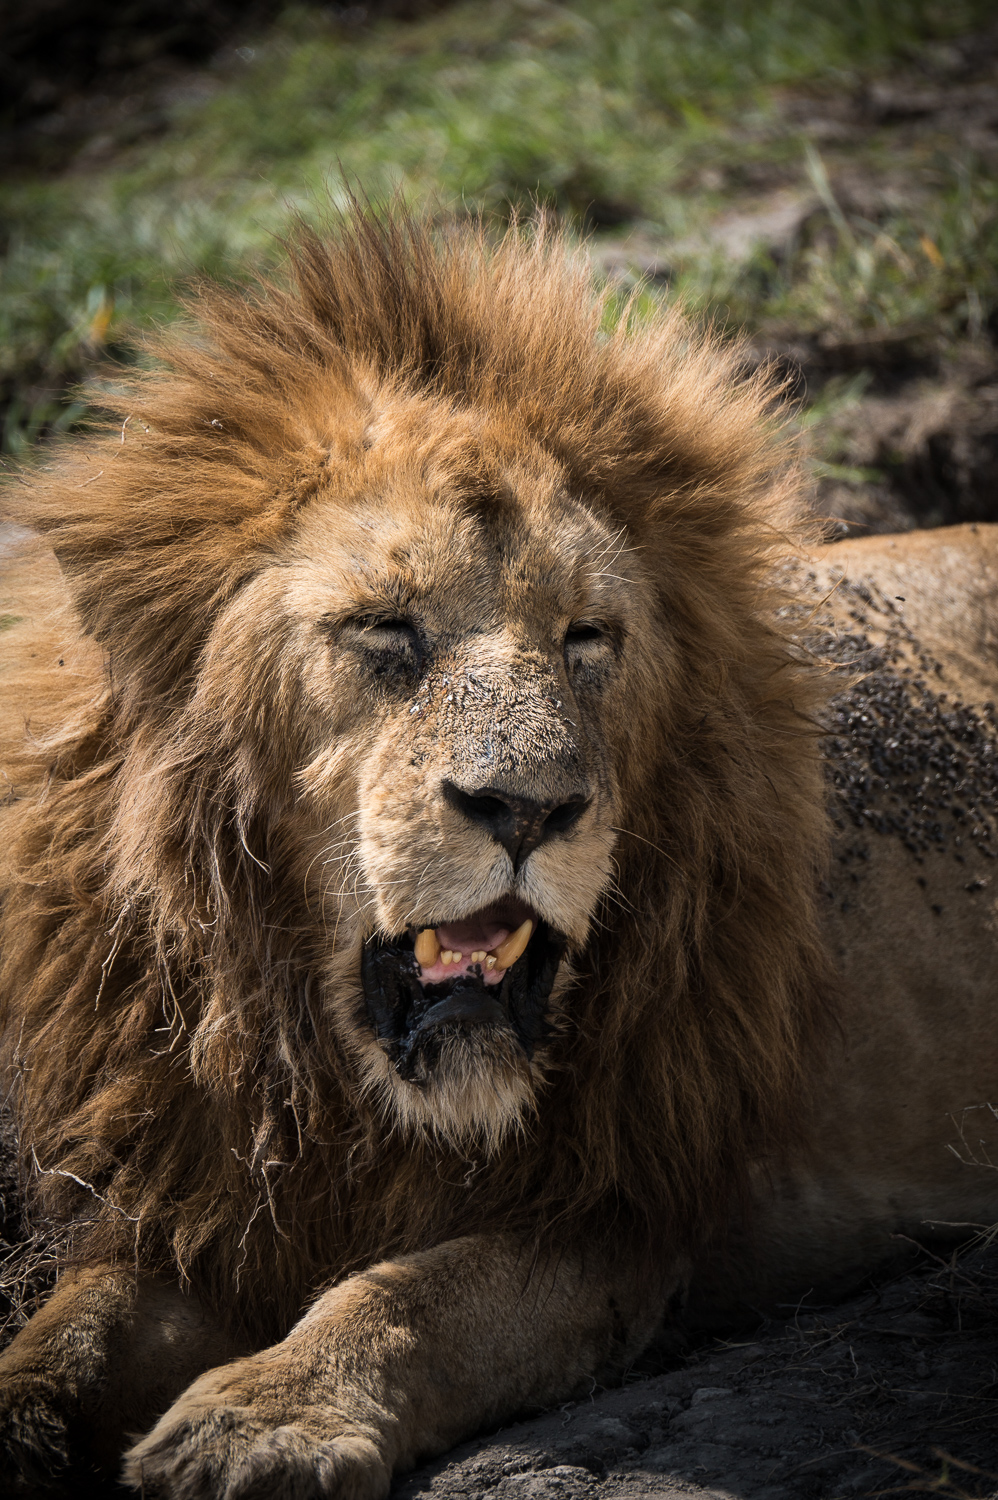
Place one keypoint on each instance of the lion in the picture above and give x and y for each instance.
(433, 923)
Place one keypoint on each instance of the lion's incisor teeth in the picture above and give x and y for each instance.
(478, 957)
(427, 948)
(508, 952)
(490, 960)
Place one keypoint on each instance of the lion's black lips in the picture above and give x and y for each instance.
(407, 1016)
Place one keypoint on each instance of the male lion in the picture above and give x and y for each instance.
(419, 936)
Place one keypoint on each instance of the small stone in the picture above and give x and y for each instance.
(710, 1393)
(611, 1430)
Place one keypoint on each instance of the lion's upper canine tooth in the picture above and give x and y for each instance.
(427, 948)
(508, 952)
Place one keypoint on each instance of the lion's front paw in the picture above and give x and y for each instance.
(207, 1447)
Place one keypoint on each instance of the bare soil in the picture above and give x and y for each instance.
(925, 418)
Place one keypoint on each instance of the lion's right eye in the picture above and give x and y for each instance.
(389, 643)
(387, 630)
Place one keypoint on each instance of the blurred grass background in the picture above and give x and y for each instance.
(821, 177)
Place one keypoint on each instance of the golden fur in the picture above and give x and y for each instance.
(196, 1085)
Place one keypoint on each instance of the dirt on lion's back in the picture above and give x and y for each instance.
(908, 625)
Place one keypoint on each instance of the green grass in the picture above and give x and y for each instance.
(612, 111)
(930, 275)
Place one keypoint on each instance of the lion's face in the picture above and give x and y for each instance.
(441, 671)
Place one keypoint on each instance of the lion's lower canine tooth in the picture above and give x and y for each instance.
(508, 952)
(427, 948)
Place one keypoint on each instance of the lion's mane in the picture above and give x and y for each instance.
(180, 1091)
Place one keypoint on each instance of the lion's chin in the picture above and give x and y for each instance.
(473, 1091)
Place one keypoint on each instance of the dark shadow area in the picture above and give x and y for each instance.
(67, 67)
(893, 1390)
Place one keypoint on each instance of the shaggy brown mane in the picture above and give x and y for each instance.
(181, 1093)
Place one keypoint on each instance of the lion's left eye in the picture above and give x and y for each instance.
(589, 646)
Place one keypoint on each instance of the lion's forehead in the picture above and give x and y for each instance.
(531, 550)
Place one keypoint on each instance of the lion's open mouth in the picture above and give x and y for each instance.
(493, 968)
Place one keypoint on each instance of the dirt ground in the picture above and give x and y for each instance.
(923, 414)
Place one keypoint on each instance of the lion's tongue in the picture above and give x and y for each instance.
(476, 935)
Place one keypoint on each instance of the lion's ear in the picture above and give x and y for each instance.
(156, 521)
(152, 541)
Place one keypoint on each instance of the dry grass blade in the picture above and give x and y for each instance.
(924, 1483)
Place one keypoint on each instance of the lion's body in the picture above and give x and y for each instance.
(409, 602)
(898, 1109)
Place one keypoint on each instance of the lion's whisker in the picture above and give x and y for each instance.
(658, 850)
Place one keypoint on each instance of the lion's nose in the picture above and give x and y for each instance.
(518, 823)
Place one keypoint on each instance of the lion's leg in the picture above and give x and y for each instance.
(105, 1354)
(398, 1362)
